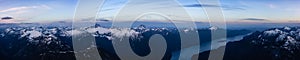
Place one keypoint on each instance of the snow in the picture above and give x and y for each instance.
(115, 32)
(54, 31)
(74, 32)
(290, 41)
(2, 35)
(213, 28)
(119, 33)
(289, 37)
(287, 28)
(32, 34)
(186, 30)
(281, 37)
(100, 30)
(8, 30)
(272, 32)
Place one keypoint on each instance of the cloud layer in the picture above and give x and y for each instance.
(255, 19)
(6, 18)
(200, 5)
(225, 7)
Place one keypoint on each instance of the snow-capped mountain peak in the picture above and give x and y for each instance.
(283, 39)
(213, 28)
(287, 28)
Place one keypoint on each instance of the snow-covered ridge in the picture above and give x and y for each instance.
(285, 39)
(213, 28)
(36, 32)
(110, 33)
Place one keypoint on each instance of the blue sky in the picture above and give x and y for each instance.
(234, 10)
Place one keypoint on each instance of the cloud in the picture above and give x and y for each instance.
(8, 21)
(19, 11)
(45, 6)
(16, 9)
(294, 21)
(102, 19)
(255, 19)
(6, 18)
(23, 8)
(200, 5)
(108, 9)
(225, 7)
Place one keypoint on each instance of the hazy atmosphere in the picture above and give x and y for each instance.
(263, 11)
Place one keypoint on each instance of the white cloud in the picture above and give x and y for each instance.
(22, 13)
(17, 9)
(46, 7)
(24, 8)
(272, 6)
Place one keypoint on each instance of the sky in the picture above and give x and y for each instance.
(264, 11)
